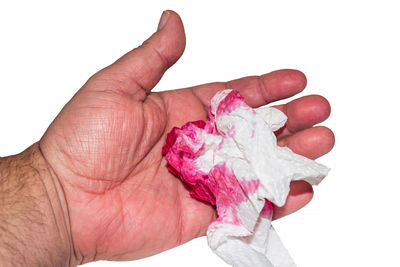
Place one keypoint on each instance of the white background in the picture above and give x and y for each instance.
(348, 49)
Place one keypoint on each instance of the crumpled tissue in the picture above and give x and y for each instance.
(233, 162)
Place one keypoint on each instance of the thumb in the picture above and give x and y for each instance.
(138, 71)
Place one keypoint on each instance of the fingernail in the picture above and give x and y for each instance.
(163, 20)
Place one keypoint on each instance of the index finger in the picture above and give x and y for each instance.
(257, 90)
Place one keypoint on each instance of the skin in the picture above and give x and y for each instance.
(104, 149)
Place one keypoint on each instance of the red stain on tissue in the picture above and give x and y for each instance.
(219, 186)
(231, 102)
(227, 189)
(268, 209)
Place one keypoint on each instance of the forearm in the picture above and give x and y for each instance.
(34, 227)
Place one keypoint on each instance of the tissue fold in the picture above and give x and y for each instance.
(233, 162)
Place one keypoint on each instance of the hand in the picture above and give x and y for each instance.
(105, 149)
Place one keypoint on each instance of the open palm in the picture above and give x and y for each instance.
(105, 149)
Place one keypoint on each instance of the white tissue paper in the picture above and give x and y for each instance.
(233, 162)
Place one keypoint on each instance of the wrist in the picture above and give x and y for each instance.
(34, 223)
